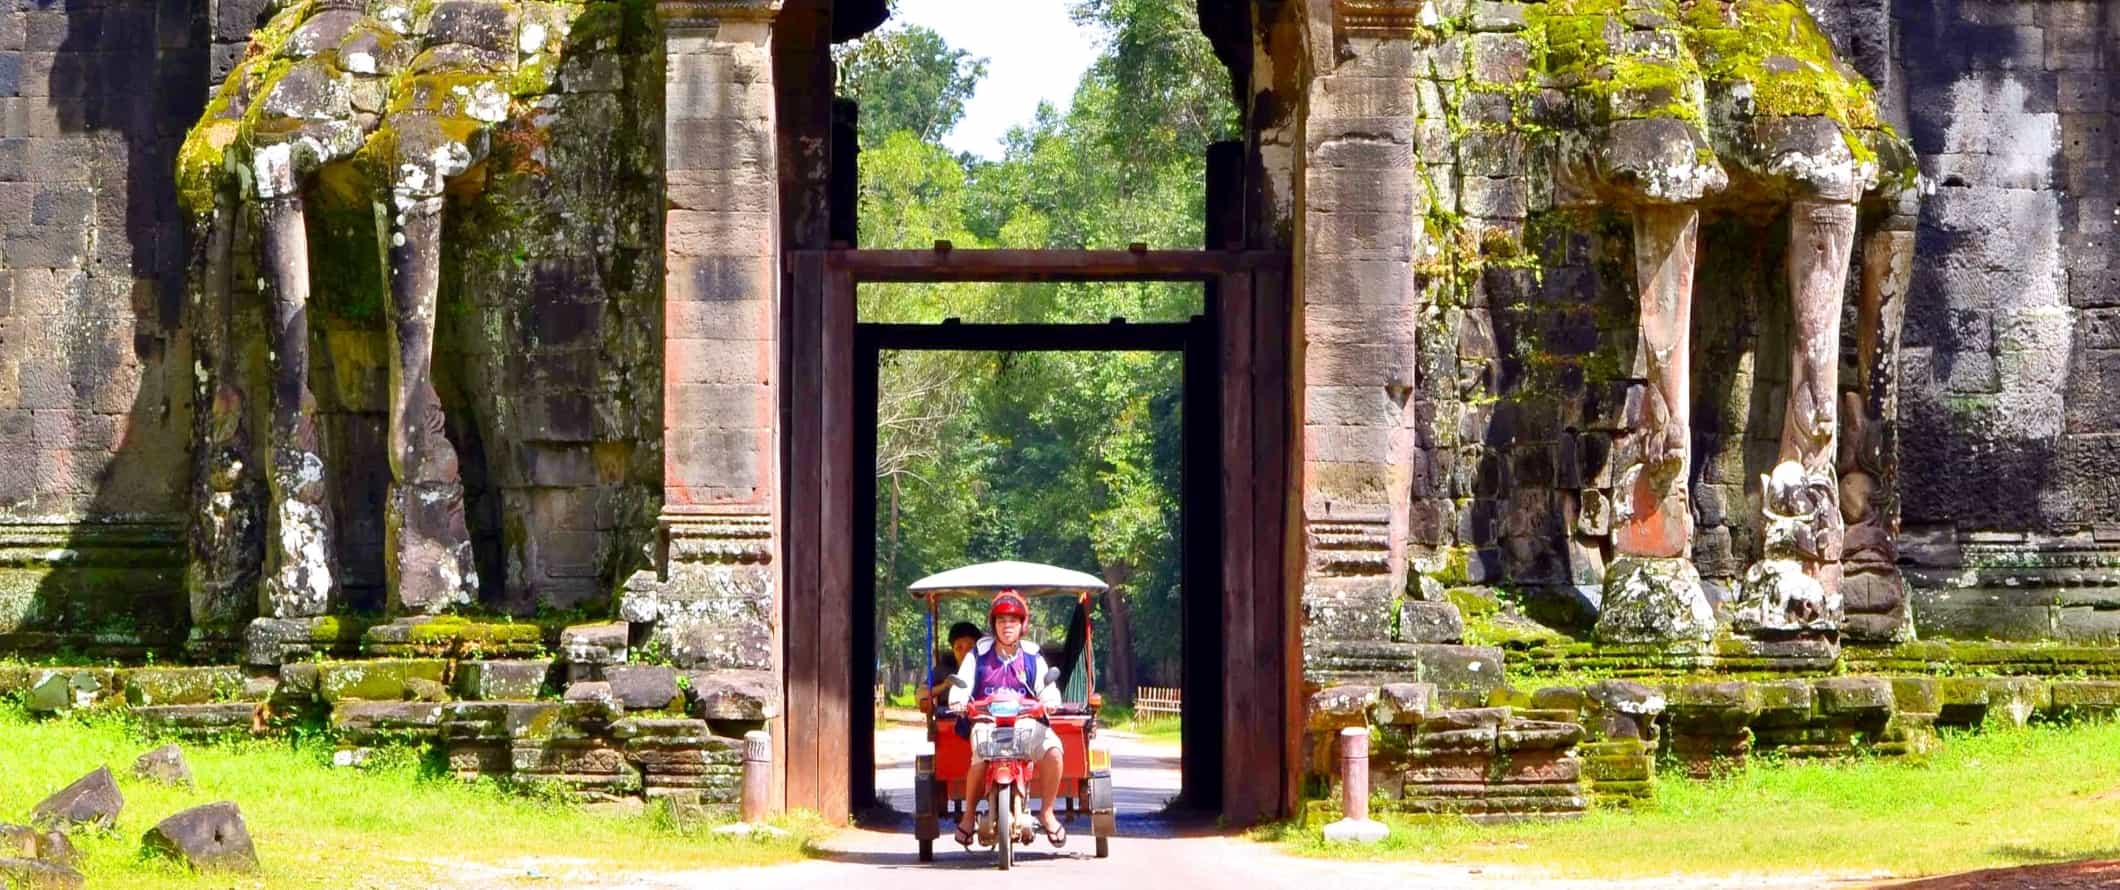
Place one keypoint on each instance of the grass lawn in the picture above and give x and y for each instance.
(315, 826)
(1159, 729)
(2044, 794)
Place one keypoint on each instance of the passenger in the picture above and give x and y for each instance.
(963, 635)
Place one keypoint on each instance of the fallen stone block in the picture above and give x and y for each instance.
(164, 765)
(92, 800)
(24, 842)
(206, 838)
(32, 874)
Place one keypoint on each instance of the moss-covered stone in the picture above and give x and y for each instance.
(181, 686)
(375, 680)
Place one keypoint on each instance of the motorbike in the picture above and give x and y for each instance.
(1008, 735)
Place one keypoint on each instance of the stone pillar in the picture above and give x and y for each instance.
(1873, 591)
(1652, 591)
(1795, 588)
(1363, 202)
(712, 602)
(427, 546)
(297, 581)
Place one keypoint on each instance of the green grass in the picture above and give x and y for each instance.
(1156, 729)
(2044, 794)
(382, 826)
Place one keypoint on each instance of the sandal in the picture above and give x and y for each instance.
(1057, 834)
(965, 836)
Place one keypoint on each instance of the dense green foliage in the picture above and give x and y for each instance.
(1066, 458)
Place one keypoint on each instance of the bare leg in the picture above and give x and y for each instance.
(974, 789)
(1049, 771)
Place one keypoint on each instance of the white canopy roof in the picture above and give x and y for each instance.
(1027, 578)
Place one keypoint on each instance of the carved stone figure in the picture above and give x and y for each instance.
(398, 101)
(1782, 593)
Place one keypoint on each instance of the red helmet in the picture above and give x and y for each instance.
(1009, 602)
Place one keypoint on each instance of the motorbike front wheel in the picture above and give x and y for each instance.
(1004, 830)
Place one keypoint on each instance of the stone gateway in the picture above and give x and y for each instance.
(387, 353)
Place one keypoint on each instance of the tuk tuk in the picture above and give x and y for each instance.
(939, 776)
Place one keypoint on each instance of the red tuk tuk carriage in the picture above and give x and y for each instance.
(939, 776)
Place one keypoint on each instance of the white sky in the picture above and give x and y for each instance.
(1033, 53)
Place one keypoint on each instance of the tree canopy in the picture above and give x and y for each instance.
(1067, 458)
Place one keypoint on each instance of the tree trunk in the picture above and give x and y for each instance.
(1118, 684)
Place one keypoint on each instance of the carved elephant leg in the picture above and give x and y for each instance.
(298, 579)
(429, 560)
(1652, 591)
(1873, 591)
(1795, 587)
(221, 575)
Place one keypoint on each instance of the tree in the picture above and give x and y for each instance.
(907, 80)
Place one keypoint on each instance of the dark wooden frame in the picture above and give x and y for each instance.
(1248, 319)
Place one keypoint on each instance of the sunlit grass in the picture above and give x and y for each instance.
(1156, 729)
(2043, 794)
(383, 826)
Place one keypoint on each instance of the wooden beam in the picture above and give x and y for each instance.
(1045, 265)
(1272, 615)
(1242, 716)
(804, 539)
(837, 656)
(1157, 337)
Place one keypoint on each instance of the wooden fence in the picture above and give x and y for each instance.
(1156, 701)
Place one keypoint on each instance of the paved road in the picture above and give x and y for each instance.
(1144, 775)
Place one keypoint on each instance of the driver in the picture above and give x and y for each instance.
(1007, 661)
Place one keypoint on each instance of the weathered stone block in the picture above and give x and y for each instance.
(210, 719)
(210, 838)
(507, 679)
(2086, 696)
(1461, 673)
(92, 800)
(645, 687)
(733, 695)
(1340, 707)
(376, 680)
(1916, 695)
(181, 686)
(1855, 696)
(1402, 703)
(164, 765)
(1425, 622)
(32, 874)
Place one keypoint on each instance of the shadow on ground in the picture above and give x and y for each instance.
(2103, 871)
